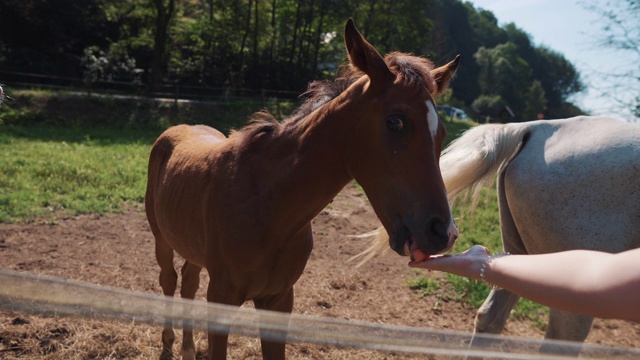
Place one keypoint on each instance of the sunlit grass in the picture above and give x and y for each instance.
(65, 154)
(67, 172)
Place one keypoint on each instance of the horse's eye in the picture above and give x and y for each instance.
(395, 123)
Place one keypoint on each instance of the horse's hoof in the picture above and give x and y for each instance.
(166, 354)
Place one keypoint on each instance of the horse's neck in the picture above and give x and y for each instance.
(314, 172)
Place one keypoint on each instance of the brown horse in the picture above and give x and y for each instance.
(241, 206)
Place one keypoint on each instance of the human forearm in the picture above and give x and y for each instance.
(587, 282)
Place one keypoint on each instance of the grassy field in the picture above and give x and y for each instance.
(51, 172)
(66, 155)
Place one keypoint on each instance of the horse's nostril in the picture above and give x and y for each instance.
(439, 228)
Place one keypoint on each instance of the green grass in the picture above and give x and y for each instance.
(455, 128)
(424, 285)
(31, 108)
(50, 172)
(67, 154)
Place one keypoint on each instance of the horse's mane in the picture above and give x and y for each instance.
(413, 71)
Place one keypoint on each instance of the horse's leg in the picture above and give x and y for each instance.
(494, 312)
(168, 282)
(301, 246)
(566, 326)
(274, 350)
(219, 334)
(491, 317)
(188, 289)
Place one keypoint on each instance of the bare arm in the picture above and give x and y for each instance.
(587, 282)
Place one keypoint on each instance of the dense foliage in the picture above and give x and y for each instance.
(282, 45)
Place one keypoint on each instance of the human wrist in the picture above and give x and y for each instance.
(486, 265)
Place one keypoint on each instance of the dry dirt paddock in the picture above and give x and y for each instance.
(117, 250)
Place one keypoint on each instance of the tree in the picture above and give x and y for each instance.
(504, 73)
(234, 45)
(49, 37)
(536, 103)
(559, 79)
(620, 32)
(459, 29)
(487, 107)
(165, 11)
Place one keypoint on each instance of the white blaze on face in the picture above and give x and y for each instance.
(432, 119)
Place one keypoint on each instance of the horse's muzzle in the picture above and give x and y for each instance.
(439, 236)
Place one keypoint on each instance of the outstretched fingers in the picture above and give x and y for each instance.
(467, 263)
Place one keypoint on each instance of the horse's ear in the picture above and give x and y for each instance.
(365, 57)
(444, 74)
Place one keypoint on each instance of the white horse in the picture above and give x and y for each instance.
(562, 184)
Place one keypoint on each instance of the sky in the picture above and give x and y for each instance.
(566, 27)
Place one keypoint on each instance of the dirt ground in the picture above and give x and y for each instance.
(117, 250)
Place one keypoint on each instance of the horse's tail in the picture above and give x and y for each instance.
(471, 161)
(467, 165)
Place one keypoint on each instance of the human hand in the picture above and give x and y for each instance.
(467, 264)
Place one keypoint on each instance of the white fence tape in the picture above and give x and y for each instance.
(52, 296)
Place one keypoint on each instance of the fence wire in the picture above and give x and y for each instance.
(53, 296)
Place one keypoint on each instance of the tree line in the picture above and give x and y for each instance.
(283, 44)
